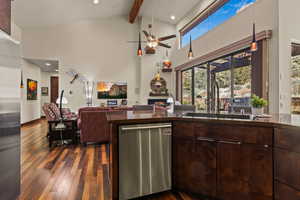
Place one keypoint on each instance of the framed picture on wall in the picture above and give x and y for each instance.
(45, 91)
(112, 90)
(32, 86)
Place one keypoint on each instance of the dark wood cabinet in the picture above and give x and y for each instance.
(287, 163)
(284, 192)
(220, 163)
(5, 16)
(195, 166)
(244, 171)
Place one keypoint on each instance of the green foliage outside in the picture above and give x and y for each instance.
(242, 75)
(258, 102)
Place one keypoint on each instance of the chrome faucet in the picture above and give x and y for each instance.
(214, 95)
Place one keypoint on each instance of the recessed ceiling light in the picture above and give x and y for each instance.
(48, 64)
(173, 17)
(96, 1)
(56, 70)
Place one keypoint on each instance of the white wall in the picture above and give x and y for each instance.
(265, 15)
(16, 32)
(45, 82)
(148, 62)
(289, 32)
(30, 109)
(97, 49)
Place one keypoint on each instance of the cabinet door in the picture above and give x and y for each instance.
(194, 165)
(244, 172)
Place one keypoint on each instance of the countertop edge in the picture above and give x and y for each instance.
(203, 120)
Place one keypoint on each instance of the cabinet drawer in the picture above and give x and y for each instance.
(287, 165)
(284, 192)
(183, 129)
(287, 138)
(244, 134)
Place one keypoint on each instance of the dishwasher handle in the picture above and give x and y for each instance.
(146, 127)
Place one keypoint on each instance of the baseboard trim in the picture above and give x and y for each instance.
(31, 122)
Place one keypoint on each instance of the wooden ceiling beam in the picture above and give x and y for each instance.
(137, 4)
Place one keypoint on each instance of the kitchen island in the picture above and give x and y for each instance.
(229, 159)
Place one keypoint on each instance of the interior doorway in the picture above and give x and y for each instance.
(54, 85)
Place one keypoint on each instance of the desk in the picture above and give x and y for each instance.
(69, 132)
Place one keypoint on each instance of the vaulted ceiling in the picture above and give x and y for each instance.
(37, 13)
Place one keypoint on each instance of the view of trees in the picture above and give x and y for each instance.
(187, 87)
(201, 87)
(241, 81)
(295, 76)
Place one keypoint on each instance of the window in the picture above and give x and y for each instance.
(233, 75)
(219, 16)
(221, 74)
(242, 75)
(200, 95)
(295, 77)
(187, 87)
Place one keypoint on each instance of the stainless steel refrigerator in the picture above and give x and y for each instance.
(10, 63)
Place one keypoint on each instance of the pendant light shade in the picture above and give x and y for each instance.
(166, 62)
(190, 54)
(253, 46)
(21, 84)
(140, 51)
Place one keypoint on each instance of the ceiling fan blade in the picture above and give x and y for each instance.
(166, 38)
(164, 45)
(146, 34)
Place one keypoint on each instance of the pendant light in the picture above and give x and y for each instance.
(253, 46)
(190, 54)
(140, 51)
(22, 84)
(166, 62)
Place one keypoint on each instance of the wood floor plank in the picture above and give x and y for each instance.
(67, 172)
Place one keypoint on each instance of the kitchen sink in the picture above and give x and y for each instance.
(218, 115)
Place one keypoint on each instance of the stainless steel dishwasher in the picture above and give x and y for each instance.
(144, 159)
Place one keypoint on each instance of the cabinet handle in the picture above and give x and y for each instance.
(229, 142)
(205, 139)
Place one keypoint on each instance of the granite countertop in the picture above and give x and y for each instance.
(131, 117)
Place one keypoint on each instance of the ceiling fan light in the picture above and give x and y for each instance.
(153, 44)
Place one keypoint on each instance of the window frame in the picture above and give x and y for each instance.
(208, 63)
(213, 7)
(192, 84)
(203, 15)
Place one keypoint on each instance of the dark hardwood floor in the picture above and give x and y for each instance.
(67, 173)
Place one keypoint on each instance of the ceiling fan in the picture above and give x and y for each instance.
(153, 41)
